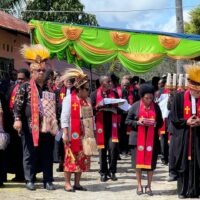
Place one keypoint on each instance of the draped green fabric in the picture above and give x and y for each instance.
(138, 52)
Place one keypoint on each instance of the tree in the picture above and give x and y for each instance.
(193, 27)
(77, 15)
(13, 7)
(7, 4)
(28, 9)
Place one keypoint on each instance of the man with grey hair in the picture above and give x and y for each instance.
(106, 128)
(124, 91)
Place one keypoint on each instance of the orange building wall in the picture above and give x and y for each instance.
(13, 41)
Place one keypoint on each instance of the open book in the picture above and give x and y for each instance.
(122, 103)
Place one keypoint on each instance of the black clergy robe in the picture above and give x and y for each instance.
(188, 170)
(112, 148)
(3, 167)
(131, 120)
(14, 149)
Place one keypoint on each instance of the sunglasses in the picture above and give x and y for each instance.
(40, 70)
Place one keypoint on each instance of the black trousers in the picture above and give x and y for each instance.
(2, 166)
(123, 137)
(39, 158)
(108, 157)
(59, 153)
(172, 159)
(164, 148)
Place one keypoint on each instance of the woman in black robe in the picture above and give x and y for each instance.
(146, 93)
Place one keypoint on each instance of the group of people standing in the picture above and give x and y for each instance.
(41, 110)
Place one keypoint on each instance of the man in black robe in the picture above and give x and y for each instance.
(14, 149)
(109, 146)
(187, 136)
(124, 91)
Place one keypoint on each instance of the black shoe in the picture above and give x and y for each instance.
(170, 179)
(181, 196)
(113, 177)
(118, 158)
(2, 185)
(104, 178)
(59, 169)
(79, 188)
(30, 186)
(49, 186)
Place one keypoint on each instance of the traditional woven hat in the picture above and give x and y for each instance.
(77, 74)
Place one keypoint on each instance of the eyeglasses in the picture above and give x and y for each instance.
(20, 79)
(40, 70)
(87, 89)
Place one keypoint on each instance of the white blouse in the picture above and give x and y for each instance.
(66, 112)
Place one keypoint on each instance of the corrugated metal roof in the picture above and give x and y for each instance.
(10, 22)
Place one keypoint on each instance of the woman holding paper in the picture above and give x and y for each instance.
(145, 119)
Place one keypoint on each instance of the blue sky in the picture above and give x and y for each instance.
(157, 20)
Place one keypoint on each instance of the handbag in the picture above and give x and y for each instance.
(49, 122)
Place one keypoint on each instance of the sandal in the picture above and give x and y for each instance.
(149, 192)
(69, 190)
(79, 188)
(139, 192)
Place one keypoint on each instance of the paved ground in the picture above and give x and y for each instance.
(123, 189)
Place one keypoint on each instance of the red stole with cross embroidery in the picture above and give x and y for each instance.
(130, 101)
(145, 137)
(75, 123)
(12, 98)
(99, 122)
(187, 115)
(35, 112)
(62, 94)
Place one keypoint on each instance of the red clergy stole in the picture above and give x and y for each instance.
(99, 121)
(12, 98)
(130, 98)
(145, 138)
(187, 114)
(35, 112)
(130, 101)
(75, 123)
(162, 130)
(62, 94)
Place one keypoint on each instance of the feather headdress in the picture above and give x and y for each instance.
(193, 72)
(77, 74)
(35, 54)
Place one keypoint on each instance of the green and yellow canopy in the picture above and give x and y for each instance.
(138, 51)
